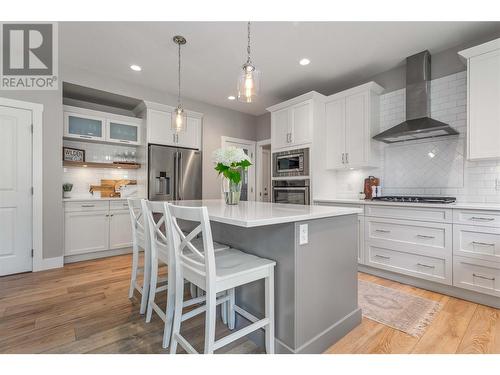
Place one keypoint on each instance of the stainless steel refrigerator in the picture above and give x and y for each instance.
(173, 173)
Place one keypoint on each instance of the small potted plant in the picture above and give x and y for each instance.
(231, 162)
(67, 187)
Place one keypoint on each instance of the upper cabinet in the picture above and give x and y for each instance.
(292, 122)
(159, 126)
(351, 118)
(483, 100)
(81, 123)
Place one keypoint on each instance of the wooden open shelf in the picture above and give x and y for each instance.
(80, 164)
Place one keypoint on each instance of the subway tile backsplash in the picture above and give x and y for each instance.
(82, 178)
(429, 167)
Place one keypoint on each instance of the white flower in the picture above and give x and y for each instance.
(229, 155)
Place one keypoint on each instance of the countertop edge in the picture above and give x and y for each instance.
(458, 205)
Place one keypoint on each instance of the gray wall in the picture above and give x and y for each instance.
(52, 165)
(442, 64)
(263, 127)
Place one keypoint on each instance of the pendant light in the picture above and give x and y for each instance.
(249, 81)
(179, 118)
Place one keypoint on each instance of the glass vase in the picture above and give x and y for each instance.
(232, 191)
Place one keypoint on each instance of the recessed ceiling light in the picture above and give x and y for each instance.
(304, 61)
(231, 97)
(135, 68)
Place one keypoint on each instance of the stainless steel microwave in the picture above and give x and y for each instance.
(291, 163)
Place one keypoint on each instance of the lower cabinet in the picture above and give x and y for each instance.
(477, 275)
(86, 232)
(93, 227)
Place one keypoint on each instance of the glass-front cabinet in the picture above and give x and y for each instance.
(123, 132)
(83, 126)
(82, 123)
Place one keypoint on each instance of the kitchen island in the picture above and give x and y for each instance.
(315, 249)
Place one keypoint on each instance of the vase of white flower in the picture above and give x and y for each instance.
(231, 162)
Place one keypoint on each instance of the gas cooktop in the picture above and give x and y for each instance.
(415, 199)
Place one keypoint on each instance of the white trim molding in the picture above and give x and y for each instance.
(36, 109)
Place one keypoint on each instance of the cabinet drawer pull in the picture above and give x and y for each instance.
(382, 231)
(477, 218)
(124, 141)
(85, 136)
(88, 205)
(424, 236)
(483, 277)
(482, 243)
(382, 256)
(425, 265)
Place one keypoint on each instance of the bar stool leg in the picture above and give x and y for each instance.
(179, 299)
(169, 313)
(269, 296)
(210, 317)
(145, 282)
(152, 287)
(230, 310)
(135, 264)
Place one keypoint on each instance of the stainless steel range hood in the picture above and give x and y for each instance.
(418, 124)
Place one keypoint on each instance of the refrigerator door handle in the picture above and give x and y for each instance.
(179, 172)
(175, 177)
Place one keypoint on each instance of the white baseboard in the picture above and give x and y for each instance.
(96, 255)
(49, 263)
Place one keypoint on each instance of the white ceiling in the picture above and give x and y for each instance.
(340, 52)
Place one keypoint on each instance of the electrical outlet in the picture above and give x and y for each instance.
(303, 234)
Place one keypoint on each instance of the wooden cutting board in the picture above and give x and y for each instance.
(108, 188)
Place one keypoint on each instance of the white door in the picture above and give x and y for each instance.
(15, 191)
(248, 178)
(356, 125)
(280, 128)
(335, 134)
(160, 128)
(301, 124)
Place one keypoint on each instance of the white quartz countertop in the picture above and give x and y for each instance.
(254, 214)
(461, 205)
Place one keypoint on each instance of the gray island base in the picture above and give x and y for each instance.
(316, 301)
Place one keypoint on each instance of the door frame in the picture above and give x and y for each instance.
(258, 166)
(251, 176)
(37, 176)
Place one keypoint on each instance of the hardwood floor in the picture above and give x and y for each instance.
(460, 327)
(83, 308)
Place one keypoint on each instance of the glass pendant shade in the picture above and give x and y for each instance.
(248, 84)
(179, 120)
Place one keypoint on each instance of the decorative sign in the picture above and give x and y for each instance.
(73, 154)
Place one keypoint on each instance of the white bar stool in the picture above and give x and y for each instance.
(140, 241)
(154, 213)
(215, 272)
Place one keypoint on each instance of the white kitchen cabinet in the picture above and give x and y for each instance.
(159, 126)
(292, 126)
(95, 226)
(84, 126)
(87, 124)
(125, 132)
(483, 98)
(191, 137)
(86, 232)
(351, 120)
(280, 128)
(120, 232)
